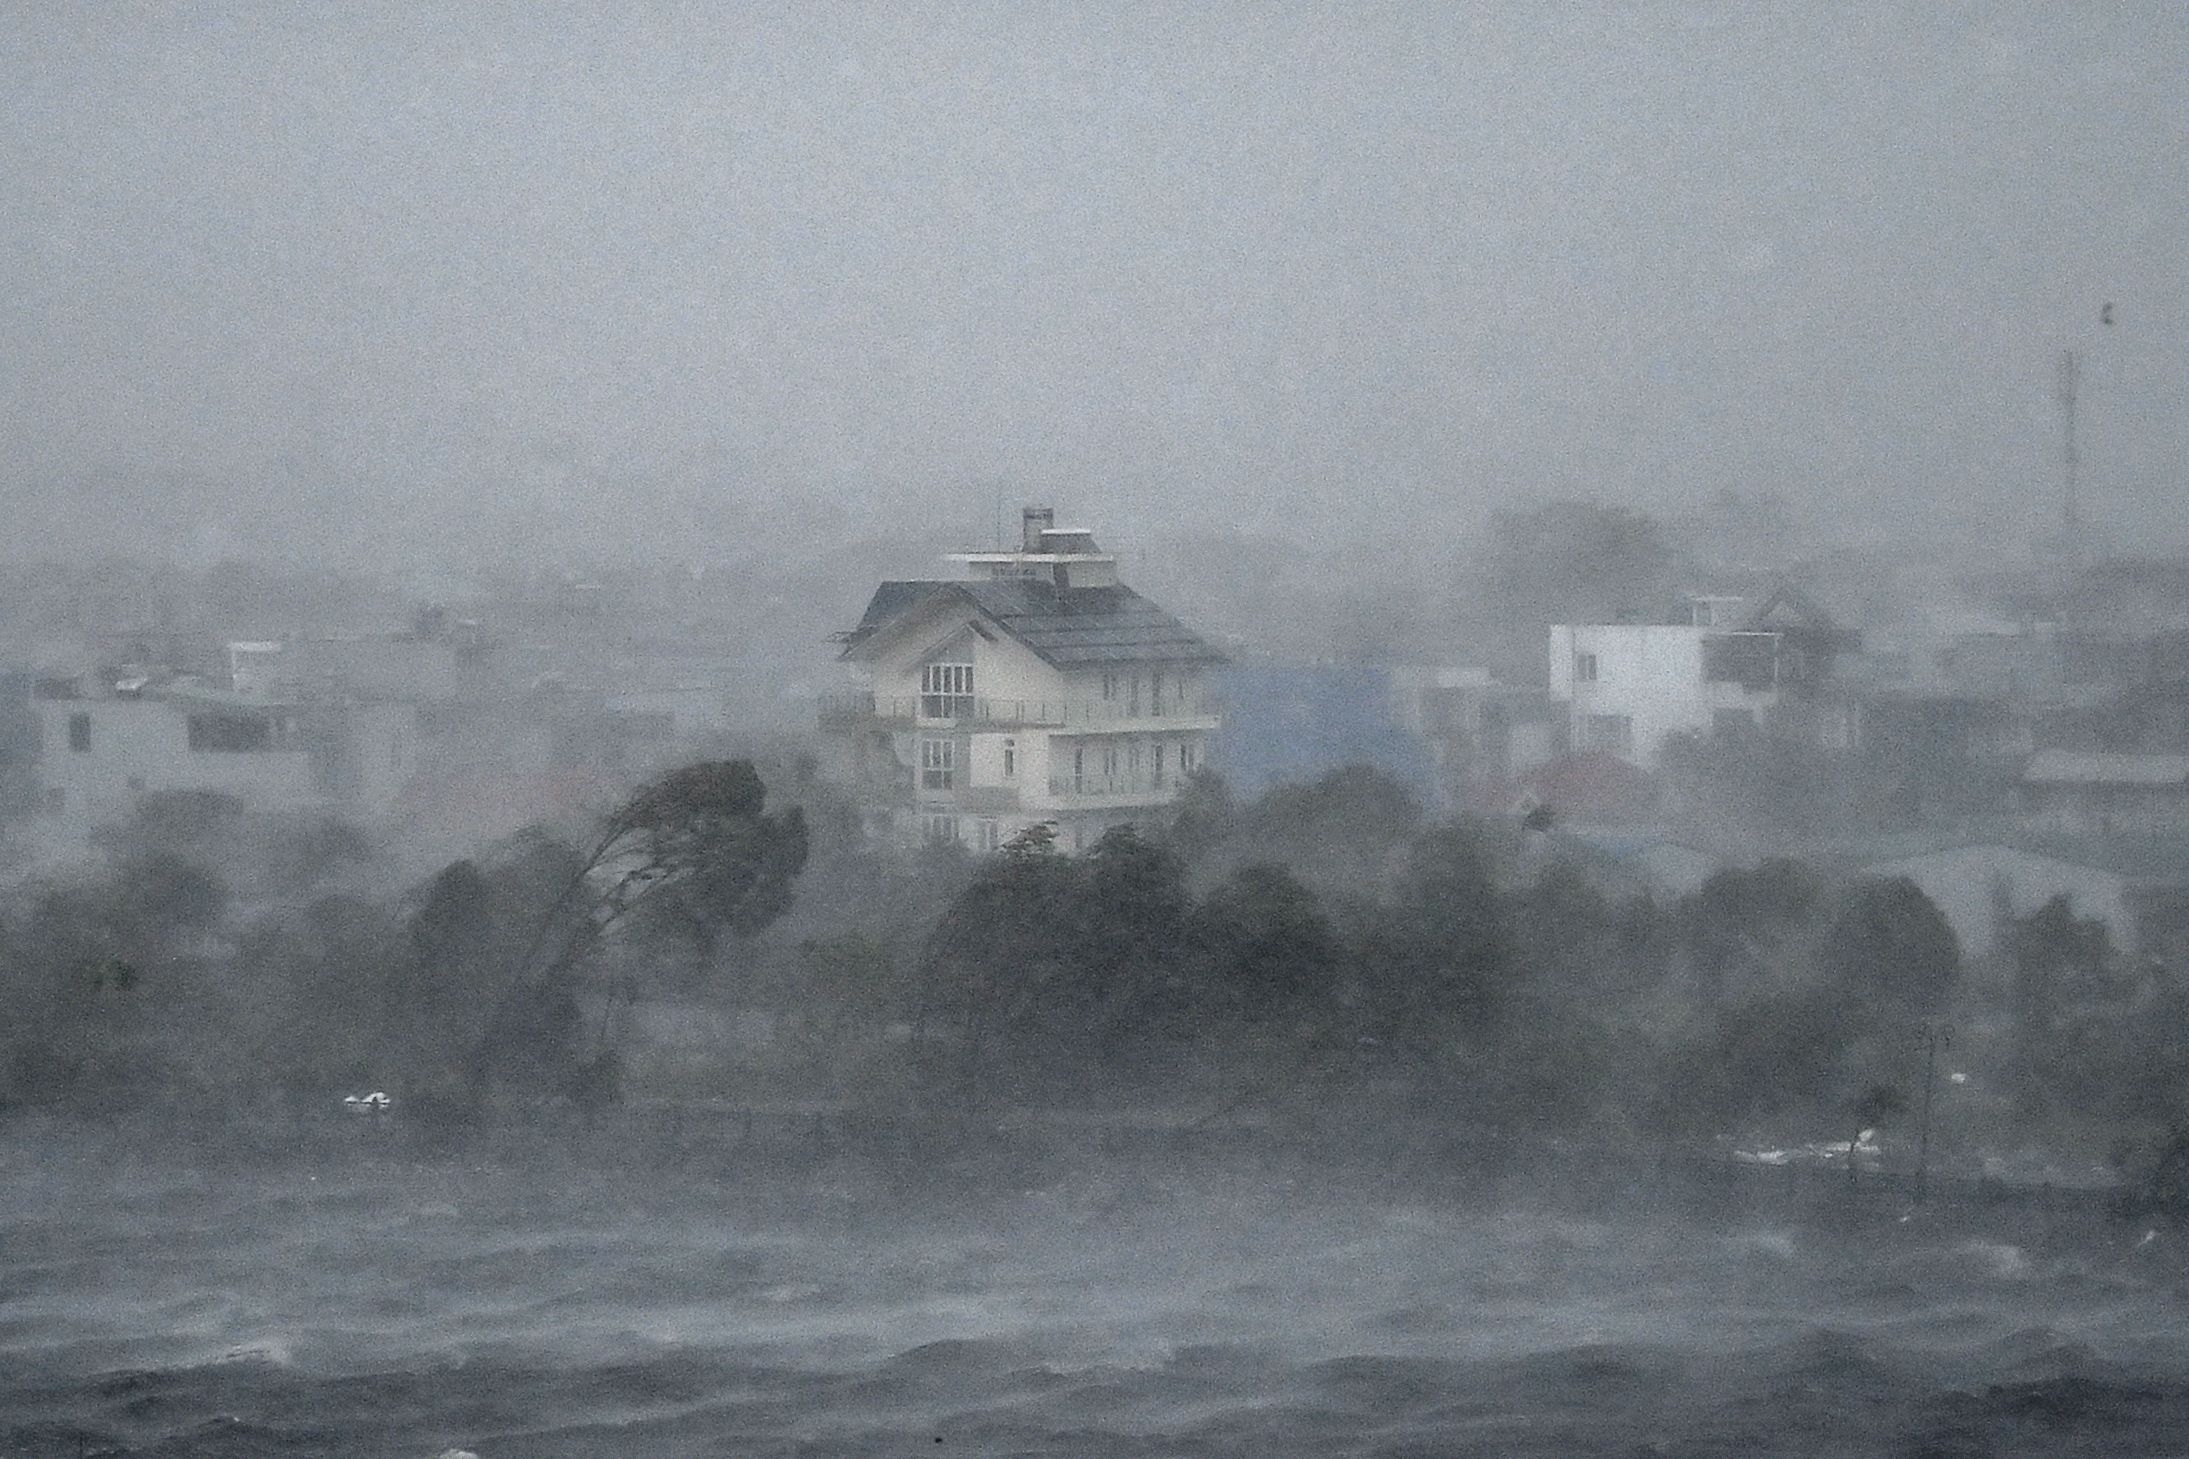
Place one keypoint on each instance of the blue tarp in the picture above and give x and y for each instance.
(1292, 723)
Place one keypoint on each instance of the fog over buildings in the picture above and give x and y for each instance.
(408, 288)
(1053, 728)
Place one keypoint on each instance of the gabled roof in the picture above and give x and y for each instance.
(1787, 606)
(1066, 627)
(1787, 609)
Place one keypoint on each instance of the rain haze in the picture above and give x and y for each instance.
(1094, 729)
(626, 277)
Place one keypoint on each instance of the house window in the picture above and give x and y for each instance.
(79, 733)
(1155, 691)
(1584, 668)
(1010, 759)
(986, 835)
(1133, 703)
(1109, 760)
(946, 691)
(1189, 756)
(1079, 767)
(1158, 764)
(1611, 732)
(939, 830)
(938, 764)
(1109, 686)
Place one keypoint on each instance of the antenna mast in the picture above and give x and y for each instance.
(2071, 369)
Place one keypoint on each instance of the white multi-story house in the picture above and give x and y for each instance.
(1727, 666)
(103, 742)
(1037, 688)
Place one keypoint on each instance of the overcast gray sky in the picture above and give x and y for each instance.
(409, 280)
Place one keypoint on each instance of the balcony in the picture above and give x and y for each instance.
(860, 708)
(1112, 789)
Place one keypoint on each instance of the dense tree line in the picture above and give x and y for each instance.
(301, 971)
(1322, 946)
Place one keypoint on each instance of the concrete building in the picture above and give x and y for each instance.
(1726, 666)
(1036, 688)
(1483, 736)
(104, 741)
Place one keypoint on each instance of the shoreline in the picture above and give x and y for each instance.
(810, 1157)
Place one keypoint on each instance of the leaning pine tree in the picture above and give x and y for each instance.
(698, 839)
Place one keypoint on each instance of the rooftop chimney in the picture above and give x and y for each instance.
(1034, 521)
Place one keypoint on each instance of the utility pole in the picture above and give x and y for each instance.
(2071, 373)
(2069, 390)
(1933, 1037)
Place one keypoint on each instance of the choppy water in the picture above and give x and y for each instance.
(393, 1309)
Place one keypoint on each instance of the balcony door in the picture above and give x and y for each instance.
(946, 691)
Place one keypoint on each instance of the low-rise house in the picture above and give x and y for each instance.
(1037, 688)
(106, 740)
(1726, 665)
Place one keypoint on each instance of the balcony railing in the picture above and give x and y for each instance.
(1111, 786)
(847, 709)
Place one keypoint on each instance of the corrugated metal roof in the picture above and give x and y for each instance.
(2073, 767)
(1068, 628)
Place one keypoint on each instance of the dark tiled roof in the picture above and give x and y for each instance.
(889, 600)
(1068, 628)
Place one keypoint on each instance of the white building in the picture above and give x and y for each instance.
(1039, 688)
(1629, 688)
(103, 744)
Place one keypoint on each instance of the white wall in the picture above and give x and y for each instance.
(1650, 672)
(1003, 669)
(140, 746)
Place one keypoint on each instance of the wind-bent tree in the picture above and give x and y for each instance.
(700, 834)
